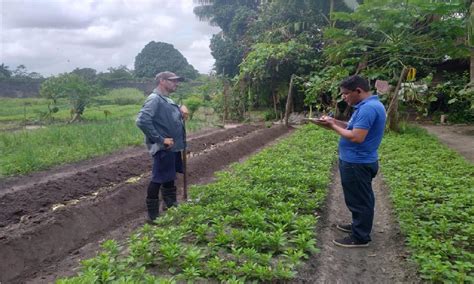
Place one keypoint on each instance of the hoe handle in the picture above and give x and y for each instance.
(185, 181)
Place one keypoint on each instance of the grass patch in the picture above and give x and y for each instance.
(25, 110)
(123, 96)
(26, 151)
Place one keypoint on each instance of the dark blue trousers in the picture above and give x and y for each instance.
(356, 182)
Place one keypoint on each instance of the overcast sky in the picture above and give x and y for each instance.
(55, 36)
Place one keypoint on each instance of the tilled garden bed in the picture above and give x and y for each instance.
(43, 222)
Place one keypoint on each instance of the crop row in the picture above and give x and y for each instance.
(255, 222)
(432, 188)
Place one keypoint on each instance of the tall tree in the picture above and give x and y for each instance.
(156, 57)
(233, 17)
(119, 73)
(88, 74)
(5, 71)
(227, 53)
(20, 72)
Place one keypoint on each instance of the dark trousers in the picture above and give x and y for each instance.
(154, 189)
(356, 182)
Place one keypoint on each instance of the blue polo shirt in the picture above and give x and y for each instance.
(369, 114)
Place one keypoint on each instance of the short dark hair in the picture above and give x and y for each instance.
(353, 82)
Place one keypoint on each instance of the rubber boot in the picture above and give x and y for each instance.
(153, 207)
(169, 196)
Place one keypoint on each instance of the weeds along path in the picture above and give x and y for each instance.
(98, 199)
(384, 261)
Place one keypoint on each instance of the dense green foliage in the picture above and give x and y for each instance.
(267, 69)
(433, 191)
(255, 223)
(374, 38)
(380, 38)
(245, 23)
(156, 57)
(228, 55)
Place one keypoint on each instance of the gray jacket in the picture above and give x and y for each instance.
(161, 118)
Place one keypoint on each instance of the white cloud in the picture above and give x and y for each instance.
(55, 36)
(45, 14)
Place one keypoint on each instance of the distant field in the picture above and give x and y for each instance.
(119, 102)
(23, 151)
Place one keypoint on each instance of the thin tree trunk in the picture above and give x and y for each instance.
(470, 39)
(331, 10)
(274, 103)
(226, 111)
(472, 66)
(392, 111)
(76, 117)
(289, 101)
(362, 64)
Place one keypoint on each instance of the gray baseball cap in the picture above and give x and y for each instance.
(167, 75)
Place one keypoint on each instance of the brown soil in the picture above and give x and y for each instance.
(384, 261)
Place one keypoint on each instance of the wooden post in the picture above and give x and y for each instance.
(470, 39)
(472, 66)
(331, 10)
(185, 174)
(289, 100)
(226, 89)
(392, 111)
(274, 103)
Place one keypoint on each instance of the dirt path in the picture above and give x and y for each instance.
(384, 261)
(458, 137)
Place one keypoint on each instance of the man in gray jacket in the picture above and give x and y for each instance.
(162, 122)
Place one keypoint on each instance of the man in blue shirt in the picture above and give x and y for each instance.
(358, 158)
(162, 122)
